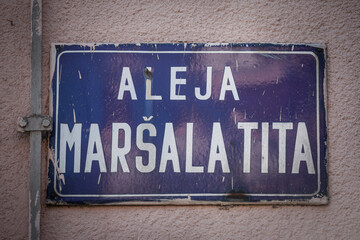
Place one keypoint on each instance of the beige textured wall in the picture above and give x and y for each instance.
(335, 23)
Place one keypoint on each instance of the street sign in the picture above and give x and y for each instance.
(188, 124)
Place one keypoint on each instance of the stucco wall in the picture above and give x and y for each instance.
(335, 23)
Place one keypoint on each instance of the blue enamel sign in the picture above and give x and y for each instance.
(188, 124)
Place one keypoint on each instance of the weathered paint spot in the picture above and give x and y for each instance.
(74, 115)
(99, 179)
(147, 119)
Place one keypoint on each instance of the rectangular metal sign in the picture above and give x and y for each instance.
(188, 124)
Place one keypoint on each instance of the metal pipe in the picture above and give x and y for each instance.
(35, 136)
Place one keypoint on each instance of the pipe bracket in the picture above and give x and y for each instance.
(35, 122)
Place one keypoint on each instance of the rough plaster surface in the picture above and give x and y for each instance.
(335, 23)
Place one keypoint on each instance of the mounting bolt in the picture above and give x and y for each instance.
(23, 122)
(46, 122)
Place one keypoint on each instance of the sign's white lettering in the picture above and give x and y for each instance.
(70, 141)
(227, 85)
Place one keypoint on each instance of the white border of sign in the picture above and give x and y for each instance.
(189, 194)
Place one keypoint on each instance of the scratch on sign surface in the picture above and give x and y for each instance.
(74, 115)
(157, 55)
(178, 89)
(99, 178)
(146, 119)
(59, 175)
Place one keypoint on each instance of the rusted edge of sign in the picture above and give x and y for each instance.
(187, 202)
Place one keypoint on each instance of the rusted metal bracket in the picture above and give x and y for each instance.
(34, 123)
